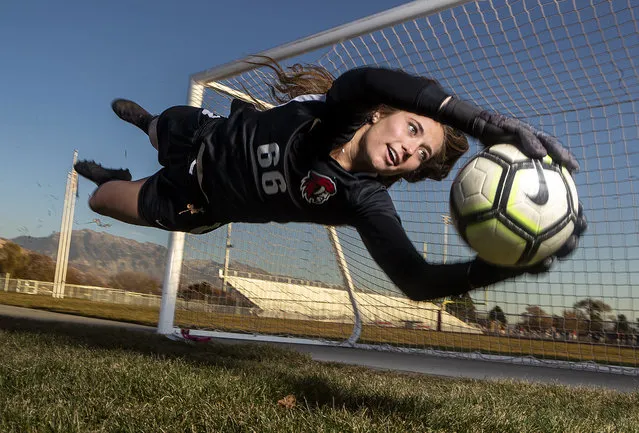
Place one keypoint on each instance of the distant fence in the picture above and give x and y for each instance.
(106, 294)
(209, 305)
(89, 293)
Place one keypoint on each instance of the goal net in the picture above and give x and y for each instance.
(568, 67)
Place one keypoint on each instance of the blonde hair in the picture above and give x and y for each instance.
(298, 79)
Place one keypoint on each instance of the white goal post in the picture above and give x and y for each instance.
(568, 67)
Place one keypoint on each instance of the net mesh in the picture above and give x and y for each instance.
(567, 67)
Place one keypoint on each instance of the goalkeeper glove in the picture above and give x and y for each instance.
(493, 128)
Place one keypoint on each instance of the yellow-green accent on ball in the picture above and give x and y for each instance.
(495, 243)
(492, 189)
(511, 210)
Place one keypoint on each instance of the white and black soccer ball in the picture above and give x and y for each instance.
(513, 210)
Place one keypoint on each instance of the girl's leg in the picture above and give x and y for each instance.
(119, 199)
(116, 195)
(134, 114)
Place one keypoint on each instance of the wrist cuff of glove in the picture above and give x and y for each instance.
(472, 120)
(482, 274)
(459, 114)
(431, 98)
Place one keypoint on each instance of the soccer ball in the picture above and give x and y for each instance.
(513, 210)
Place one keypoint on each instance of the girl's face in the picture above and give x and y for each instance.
(399, 143)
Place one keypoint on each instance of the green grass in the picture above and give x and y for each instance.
(543, 349)
(64, 378)
(102, 310)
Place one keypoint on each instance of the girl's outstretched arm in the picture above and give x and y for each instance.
(384, 237)
(368, 87)
(361, 89)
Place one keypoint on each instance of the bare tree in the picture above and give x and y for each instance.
(136, 282)
(463, 308)
(572, 321)
(11, 257)
(205, 290)
(536, 319)
(593, 309)
(621, 324)
(497, 315)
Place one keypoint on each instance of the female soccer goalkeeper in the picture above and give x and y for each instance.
(325, 156)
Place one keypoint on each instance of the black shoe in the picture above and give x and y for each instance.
(131, 112)
(98, 174)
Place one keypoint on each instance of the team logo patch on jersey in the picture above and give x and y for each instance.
(317, 188)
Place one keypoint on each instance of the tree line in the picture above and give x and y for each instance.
(586, 317)
(29, 265)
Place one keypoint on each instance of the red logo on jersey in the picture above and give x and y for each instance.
(317, 188)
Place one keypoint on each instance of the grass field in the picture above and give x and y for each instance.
(65, 378)
(543, 349)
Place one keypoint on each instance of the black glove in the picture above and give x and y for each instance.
(493, 128)
(482, 274)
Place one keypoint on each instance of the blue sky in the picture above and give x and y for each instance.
(63, 63)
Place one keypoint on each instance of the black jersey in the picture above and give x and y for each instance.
(274, 165)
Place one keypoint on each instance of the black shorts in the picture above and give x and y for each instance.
(171, 199)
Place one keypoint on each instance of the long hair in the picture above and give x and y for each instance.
(296, 80)
(308, 79)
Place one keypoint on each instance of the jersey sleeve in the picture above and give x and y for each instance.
(367, 87)
(386, 240)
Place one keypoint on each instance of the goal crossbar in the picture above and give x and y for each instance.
(390, 17)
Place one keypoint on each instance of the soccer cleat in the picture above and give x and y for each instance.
(131, 112)
(98, 174)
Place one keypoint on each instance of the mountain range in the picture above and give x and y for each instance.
(104, 255)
